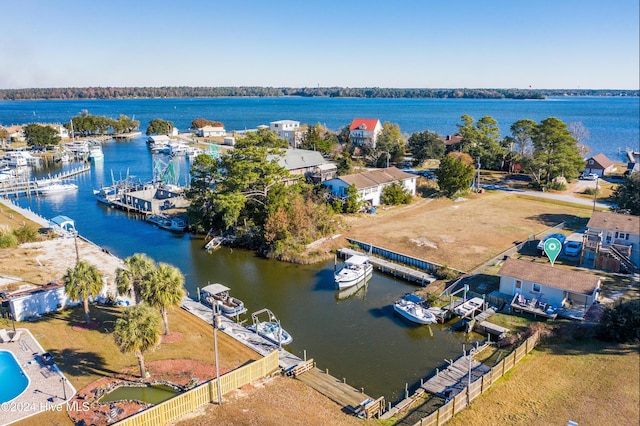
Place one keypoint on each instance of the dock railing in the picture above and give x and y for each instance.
(462, 400)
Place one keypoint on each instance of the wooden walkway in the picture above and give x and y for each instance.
(455, 377)
(395, 269)
(336, 390)
(16, 187)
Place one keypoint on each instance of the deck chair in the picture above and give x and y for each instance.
(16, 336)
(4, 336)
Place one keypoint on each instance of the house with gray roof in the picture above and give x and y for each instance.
(612, 241)
(370, 183)
(310, 164)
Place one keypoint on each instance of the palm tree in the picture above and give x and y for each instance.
(137, 331)
(82, 282)
(163, 288)
(129, 280)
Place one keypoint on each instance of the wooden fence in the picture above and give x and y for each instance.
(477, 388)
(190, 401)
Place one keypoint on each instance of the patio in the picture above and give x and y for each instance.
(47, 389)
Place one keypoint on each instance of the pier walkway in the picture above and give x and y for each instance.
(353, 400)
(397, 270)
(15, 187)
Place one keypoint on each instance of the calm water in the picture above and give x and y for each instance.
(358, 338)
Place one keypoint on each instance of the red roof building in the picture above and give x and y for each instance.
(365, 131)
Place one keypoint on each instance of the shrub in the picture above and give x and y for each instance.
(25, 234)
(443, 272)
(7, 239)
(395, 194)
(620, 323)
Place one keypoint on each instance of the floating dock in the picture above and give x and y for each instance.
(15, 187)
(397, 270)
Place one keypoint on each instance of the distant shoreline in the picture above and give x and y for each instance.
(103, 93)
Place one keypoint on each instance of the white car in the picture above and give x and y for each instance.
(559, 237)
(591, 176)
(572, 248)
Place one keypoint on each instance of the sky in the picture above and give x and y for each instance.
(542, 44)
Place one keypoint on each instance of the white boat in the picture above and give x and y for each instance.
(414, 309)
(469, 306)
(56, 188)
(219, 294)
(355, 270)
(15, 159)
(270, 329)
(171, 223)
(95, 153)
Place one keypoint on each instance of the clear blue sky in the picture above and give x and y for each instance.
(544, 44)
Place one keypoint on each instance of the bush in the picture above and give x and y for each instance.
(25, 234)
(590, 191)
(395, 194)
(7, 239)
(443, 272)
(620, 323)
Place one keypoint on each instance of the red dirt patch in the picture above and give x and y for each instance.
(180, 372)
(93, 325)
(172, 338)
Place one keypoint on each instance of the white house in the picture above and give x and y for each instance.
(370, 184)
(310, 164)
(612, 240)
(61, 131)
(600, 165)
(286, 129)
(211, 131)
(31, 303)
(551, 285)
(16, 133)
(365, 131)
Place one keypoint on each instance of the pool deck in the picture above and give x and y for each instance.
(45, 391)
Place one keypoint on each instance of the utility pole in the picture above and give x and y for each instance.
(595, 195)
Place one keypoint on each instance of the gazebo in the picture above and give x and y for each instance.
(63, 225)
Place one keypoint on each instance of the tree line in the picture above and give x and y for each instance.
(257, 91)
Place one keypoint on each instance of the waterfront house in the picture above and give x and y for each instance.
(451, 142)
(211, 131)
(310, 164)
(365, 131)
(60, 130)
(612, 241)
(16, 133)
(600, 165)
(287, 129)
(370, 183)
(547, 288)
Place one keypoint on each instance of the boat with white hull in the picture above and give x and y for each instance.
(218, 294)
(355, 270)
(56, 188)
(270, 329)
(415, 309)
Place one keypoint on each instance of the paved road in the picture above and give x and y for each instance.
(548, 195)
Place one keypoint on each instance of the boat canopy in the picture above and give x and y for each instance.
(357, 259)
(215, 288)
(63, 223)
(414, 298)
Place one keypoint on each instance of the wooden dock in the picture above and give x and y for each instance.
(16, 187)
(452, 380)
(354, 401)
(395, 269)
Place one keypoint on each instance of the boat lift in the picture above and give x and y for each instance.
(271, 318)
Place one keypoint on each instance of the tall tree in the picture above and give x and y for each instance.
(318, 138)
(455, 173)
(481, 141)
(555, 152)
(522, 132)
(626, 197)
(36, 134)
(425, 146)
(130, 279)
(353, 203)
(137, 331)
(345, 164)
(83, 282)
(163, 289)
(158, 126)
(390, 145)
(580, 132)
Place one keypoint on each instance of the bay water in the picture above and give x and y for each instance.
(358, 338)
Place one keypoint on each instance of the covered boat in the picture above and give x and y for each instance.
(355, 270)
(415, 309)
(469, 307)
(219, 294)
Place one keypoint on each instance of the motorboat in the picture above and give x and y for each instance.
(356, 291)
(469, 307)
(415, 309)
(95, 153)
(171, 223)
(218, 295)
(270, 329)
(56, 188)
(354, 270)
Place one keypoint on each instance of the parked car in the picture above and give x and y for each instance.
(591, 176)
(559, 237)
(572, 248)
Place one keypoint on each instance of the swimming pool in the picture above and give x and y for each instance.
(13, 379)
